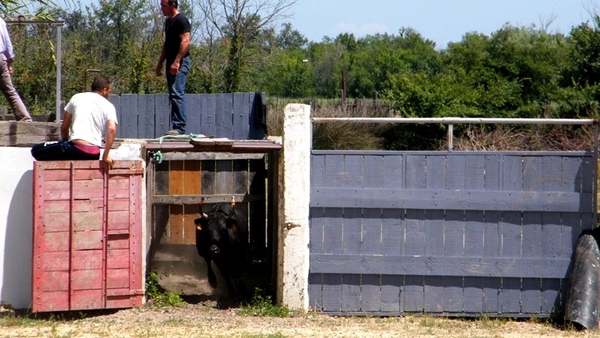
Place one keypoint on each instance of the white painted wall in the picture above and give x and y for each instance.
(294, 188)
(16, 226)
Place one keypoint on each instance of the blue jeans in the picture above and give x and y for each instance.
(176, 84)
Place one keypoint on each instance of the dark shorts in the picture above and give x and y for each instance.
(64, 151)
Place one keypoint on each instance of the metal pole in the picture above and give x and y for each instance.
(58, 71)
(450, 137)
(453, 120)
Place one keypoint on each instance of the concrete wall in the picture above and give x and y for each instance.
(294, 198)
(16, 225)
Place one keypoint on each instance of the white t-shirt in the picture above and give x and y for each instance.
(90, 113)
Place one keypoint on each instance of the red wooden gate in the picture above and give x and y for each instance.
(87, 236)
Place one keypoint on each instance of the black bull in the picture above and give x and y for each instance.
(222, 237)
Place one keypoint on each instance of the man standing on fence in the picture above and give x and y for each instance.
(175, 52)
(86, 116)
(6, 69)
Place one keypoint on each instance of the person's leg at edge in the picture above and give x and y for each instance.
(176, 84)
(9, 91)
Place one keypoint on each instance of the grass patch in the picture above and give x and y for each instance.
(158, 296)
(262, 305)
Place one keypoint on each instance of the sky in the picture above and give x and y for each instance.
(441, 21)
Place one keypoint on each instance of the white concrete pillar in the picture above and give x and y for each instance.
(294, 198)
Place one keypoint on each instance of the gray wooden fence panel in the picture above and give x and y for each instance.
(129, 121)
(147, 106)
(162, 115)
(218, 115)
(446, 233)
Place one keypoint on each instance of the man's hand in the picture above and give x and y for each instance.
(174, 67)
(159, 69)
(109, 162)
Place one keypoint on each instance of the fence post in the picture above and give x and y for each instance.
(294, 199)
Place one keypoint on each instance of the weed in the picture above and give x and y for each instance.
(158, 296)
(262, 305)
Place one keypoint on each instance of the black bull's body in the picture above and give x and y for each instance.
(222, 237)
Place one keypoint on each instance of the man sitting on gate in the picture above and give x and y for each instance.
(86, 118)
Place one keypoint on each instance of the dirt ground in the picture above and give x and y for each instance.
(204, 320)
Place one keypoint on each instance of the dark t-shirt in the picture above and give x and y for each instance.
(174, 27)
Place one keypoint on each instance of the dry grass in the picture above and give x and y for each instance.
(203, 320)
(364, 136)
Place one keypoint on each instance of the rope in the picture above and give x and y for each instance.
(186, 136)
(157, 157)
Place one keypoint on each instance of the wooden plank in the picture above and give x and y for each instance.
(532, 173)
(315, 291)
(374, 173)
(393, 171)
(439, 266)
(121, 115)
(492, 237)
(193, 110)
(353, 171)
(352, 232)
(332, 231)
(511, 234)
(209, 113)
(316, 230)
(392, 231)
(370, 293)
(511, 296)
(334, 171)
(475, 173)
(414, 294)
(474, 233)
(415, 175)
(532, 234)
(454, 234)
(434, 228)
(332, 292)
(224, 118)
(51, 301)
(86, 280)
(224, 177)
(86, 300)
(147, 115)
(531, 295)
(491, 295)
(453, 294)
(350, 293)
(473, 295)
(242, 107)
(87, 221)
(372, 237)
(162, 116)
(129, 125)
(455, 172)
(436, 172)
(414, 242)
(87, 240)
(551, 296)
(117, 278)
(391, 294)
(512, 171)
(434, 294)
(336, 196)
